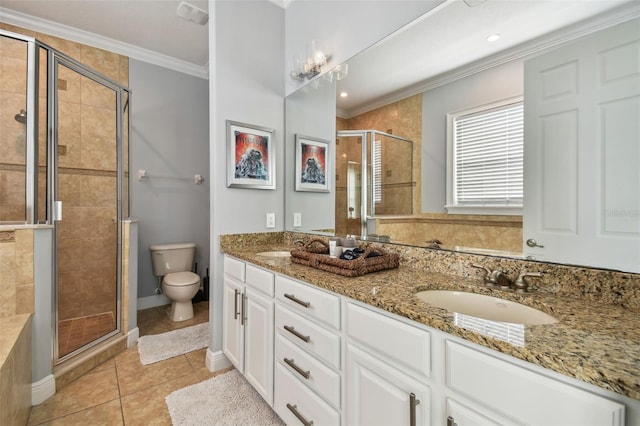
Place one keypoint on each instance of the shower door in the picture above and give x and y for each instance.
(86, 147)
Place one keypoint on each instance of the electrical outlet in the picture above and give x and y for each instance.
(271, 220)
(297, 220)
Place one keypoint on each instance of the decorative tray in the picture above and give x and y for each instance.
(315, 253)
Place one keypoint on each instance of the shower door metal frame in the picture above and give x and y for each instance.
(366, 137)
(56, 59)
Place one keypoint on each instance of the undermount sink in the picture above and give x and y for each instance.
(275, 253)
(486, 307)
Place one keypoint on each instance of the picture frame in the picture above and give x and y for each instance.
(251, 161)
(313, 158)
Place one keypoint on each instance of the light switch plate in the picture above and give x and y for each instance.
(297, 220)
(271, 220)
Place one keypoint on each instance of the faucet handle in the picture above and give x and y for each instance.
(521, 285)
(489, 277)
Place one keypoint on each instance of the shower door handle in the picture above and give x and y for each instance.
(57, 211)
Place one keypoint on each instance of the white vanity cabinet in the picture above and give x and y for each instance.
(248, 314)
(325, 359)
(387, 370)
(308, 354)
(392, 364)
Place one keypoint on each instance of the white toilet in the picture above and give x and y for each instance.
(174, 263)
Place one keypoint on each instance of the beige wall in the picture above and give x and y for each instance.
(404, 118)
(87, 168)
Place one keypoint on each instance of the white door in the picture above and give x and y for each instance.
(232, 323)
(259, 337)
(378, 394)
(582, 151)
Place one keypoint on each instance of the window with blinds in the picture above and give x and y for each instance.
(376, 160)
(486, 147)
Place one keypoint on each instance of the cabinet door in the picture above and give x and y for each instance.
(232, 327)
(378, 394)
(258, 356)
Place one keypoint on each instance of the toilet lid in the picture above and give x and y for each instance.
(179, 279)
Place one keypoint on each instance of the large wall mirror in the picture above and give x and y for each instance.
(408, 110)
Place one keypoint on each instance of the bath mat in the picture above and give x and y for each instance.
(157, 347)
(227, 399)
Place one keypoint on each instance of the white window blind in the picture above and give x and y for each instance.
(488, 154)
(377, 171)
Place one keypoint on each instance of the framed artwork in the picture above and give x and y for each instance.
(312, 164)
(250, 156)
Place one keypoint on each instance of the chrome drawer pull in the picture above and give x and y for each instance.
(300, 371)
(298, 301)
(293, 331)
(413, 401)
(294, 410)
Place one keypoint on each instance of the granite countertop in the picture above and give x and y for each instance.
(597, 343)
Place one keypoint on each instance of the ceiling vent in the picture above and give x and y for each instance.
(192, 13)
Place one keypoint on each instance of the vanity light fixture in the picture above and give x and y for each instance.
(343, 94)
(311, 66)
(493, 37)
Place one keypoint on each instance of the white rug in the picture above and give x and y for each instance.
(227, 399)
(156, 347)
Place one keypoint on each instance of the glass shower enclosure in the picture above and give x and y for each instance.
(64, 159)
(374, 178)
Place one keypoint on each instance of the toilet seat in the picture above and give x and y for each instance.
(181, 279)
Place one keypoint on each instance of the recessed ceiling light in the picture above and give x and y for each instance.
(493, 37)
(343, 94)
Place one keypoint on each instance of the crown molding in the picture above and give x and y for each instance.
(81, 36)
(520, 52)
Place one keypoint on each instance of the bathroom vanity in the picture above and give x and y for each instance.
(335, 350)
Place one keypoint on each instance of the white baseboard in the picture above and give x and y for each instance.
(216, 361)
(43, 389)
(132, 337)
(153, 301)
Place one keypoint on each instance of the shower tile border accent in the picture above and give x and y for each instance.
(7, 236)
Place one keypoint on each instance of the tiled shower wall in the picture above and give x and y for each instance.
(404, 118)
(16, 272)
(87, 169)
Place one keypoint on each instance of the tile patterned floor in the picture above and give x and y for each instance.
(76, 332)
(122, 391)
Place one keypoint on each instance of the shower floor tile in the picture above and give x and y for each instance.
(122, 391)
(76, 332)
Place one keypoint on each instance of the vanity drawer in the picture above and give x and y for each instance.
(291, 395)
(260, 280)
(407, 347)
(309, 370)
(234, 268)
(311, 302)
(311, 337)
(510, 389)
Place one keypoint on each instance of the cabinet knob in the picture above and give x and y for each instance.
(450, 421)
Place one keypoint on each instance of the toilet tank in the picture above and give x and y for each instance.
(168, 258)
